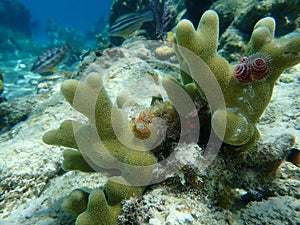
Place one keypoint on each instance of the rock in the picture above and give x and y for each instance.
(164, 52)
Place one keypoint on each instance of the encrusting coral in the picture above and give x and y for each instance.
(106, 143)
(247, 87)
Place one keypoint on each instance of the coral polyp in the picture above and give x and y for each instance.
(254, 67)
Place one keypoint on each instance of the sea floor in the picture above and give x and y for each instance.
(32, 183)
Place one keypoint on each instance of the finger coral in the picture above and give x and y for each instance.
(246, 87)
(98, 149)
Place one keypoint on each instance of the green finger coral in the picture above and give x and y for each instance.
(247, 87)
(96, 146)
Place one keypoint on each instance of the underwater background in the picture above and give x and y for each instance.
(109, 113)
(80, 15)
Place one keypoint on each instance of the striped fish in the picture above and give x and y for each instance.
(46, 62)
(128, 23)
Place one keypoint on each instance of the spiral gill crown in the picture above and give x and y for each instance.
(259, 68)
(253, 68)
(241, 72)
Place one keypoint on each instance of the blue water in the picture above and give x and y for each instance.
(79, 14)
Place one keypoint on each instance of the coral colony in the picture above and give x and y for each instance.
(247, 89)
(245, 101)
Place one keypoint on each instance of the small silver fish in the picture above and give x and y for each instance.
(46, 62)
(128, 23)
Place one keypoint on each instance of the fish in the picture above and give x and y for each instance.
(47, 61)
(128, 23)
